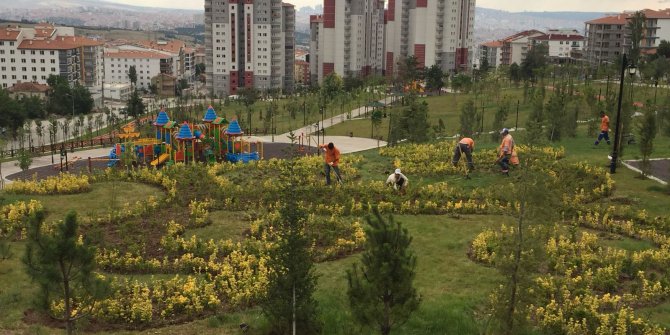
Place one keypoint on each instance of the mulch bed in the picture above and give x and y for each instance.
(659, 168)
(270, 150)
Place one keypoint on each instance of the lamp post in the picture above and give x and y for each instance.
(617, 129)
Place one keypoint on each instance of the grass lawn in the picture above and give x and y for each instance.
(225, 225)
(102, 198)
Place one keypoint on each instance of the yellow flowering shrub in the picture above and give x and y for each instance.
(63, 183)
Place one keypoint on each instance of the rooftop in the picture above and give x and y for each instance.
(612, 19)
(59, 43)
(29, 87)
(559, 37)
(136, 54)
(493, 44)
(9, 33)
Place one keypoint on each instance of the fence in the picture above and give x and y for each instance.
(55, 147)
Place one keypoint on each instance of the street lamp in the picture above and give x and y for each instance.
(617, 129)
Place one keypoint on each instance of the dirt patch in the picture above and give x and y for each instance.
(659, 168)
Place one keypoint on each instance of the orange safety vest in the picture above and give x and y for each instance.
(605, 123)
(507, 148)
(470, 142)
(331, 155)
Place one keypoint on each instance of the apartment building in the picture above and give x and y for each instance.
(249, 44)
(348, 39)
(492, 51)
(435, 32)
(562, 46)
(33, 54)
(148, 64)
(183, 57)
(606, 38)
(515, 48)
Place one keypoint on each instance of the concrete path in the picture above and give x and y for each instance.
(346, 144)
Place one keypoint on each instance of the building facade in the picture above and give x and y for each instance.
(147, 65)
(249, 44)
(33, 54)
(348, 39)
(606, 38)
(436, 32)
(492, 51)
(515, 48)
(561, 47)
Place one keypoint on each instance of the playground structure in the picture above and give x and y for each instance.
(214, 140)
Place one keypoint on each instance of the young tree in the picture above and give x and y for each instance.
(434, 79)
(636, 25)
(535, 123)
(515, 74)
(530, 195)
(647, 131)
(248, 97)
(381, 290)
(289, 304)
(135, 106)
(556, 115)
(468, 119)
(25, 159)
(132, 76)
(63, 265)
(500, 117)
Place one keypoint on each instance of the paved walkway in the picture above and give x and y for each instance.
(346, 144)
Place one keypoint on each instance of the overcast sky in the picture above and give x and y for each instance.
(509, 5)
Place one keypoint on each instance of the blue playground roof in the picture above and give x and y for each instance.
(161, 119)
(185, 133)
(234, 128)
(210, 115)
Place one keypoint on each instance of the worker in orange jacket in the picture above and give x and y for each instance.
(332, 159)
(506, 152)
(604, 128)
(464, 147)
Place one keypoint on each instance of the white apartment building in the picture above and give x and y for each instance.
(147, 65)
(348, 39)
(118, 91)
(435, 32)
(561, 45)
(516, 47)
(33, 54)
(249, 44)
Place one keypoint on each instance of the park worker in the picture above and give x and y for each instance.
(506, 152)
(398, 180)
(604, 128)
(332, 159)
(465, 146)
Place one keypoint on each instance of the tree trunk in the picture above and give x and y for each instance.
(69, 322)
(514, 279)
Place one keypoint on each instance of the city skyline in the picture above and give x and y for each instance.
(510, 5)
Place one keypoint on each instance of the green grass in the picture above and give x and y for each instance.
(452, 287)
(225, 225)
(102, 198)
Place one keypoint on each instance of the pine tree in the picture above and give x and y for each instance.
(381, 291)
(468, 119)
(63, 264)
(289, 304)
(500, 118)
(530, 195)
(536, 120)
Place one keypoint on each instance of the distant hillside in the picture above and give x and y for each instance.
(492, 24)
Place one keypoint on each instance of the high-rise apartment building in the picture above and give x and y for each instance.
(249, 43)
(347, 39)
(436, 32)
(33, 54)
